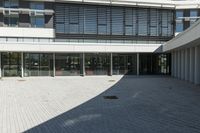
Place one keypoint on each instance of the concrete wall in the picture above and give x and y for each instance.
(27, 32)
(78, 47)
(186, 64)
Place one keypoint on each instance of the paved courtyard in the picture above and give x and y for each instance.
(145, 104)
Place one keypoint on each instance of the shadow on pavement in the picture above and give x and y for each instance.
(144, 104)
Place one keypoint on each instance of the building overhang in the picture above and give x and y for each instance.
(166, 4)
(59, 47)
(188, 38)
(27, 32)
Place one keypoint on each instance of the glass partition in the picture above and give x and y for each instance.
(11, 64)
(36, 64)
(155, 64)
(67, 64)
(97, 64)
(124, 64)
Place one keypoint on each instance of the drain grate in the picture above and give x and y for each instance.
(111, 80)
(110, 97)
(21, 80)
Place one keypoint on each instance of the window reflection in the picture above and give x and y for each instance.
(67, 64)
(11, 64)
(38, 64)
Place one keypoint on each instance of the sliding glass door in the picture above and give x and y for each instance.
(38, 64)
(11, 64)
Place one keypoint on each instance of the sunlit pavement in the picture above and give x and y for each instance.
(144, 104)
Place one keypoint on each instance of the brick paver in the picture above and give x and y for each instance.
(146, 104)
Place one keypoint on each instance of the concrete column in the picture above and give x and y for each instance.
(54, 65)
(138, 64)
(186, 76)
(197, 65)
(111, 64)
(22, 64)
(179, 64)
(0, 66)
(191, 65)
(182, 64)
(172, 63)
(175, 64)
(83, 60)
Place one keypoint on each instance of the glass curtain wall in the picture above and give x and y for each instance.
(38, 64)
(67, 64)
(11, 64)
(124, 64)
(155, 64)
(117, 21)
(97, 64)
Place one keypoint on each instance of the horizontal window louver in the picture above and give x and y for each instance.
(118, 21)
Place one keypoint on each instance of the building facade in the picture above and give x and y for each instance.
(86, 37)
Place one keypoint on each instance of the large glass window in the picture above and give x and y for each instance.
(154, 22)
(179, 25)
(38, 64)
(37, 21)
(124, 64)
(11, 64)
(97, 64)
(67, 64)
(11, 20)
(117, 21)
(179, 14)
(154, 63)
(103, 20)
(90, 20)
(142, 22)
(11, 3)
(129, 21)
(193, 16)
(37, 5)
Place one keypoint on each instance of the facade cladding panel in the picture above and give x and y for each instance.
(75, 19)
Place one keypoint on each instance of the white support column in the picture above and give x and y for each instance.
(111, 64)
(182, 64)
(179, 64)
(54, 65)
(175, 64)
(22, 64)
(191, 65)
(83, 60)
(138, 64)
(197, 65)
(0, 66)
(172, 63)
(186, 64)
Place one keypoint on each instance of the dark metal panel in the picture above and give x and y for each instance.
(48, 21)
(48, 5)
(1, 19)
(24, 4)
(1, 3)
(24, 20)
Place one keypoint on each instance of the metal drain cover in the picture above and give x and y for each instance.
(111, 80)
(21, 80)
(110, 97)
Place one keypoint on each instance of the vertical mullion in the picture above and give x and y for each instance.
(54, 62)
(22, 64)
(0, 67)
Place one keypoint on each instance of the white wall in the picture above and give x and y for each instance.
(79, 47)
(27, 32)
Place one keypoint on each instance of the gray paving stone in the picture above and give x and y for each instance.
(145, 104)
